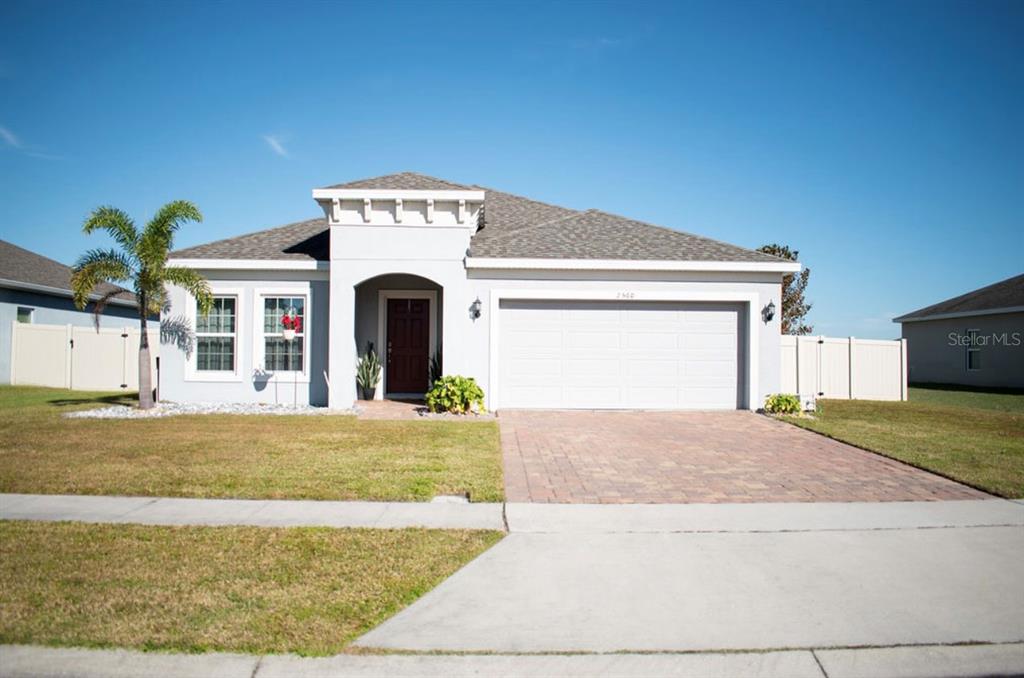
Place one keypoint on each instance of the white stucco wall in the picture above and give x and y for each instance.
(248, 384)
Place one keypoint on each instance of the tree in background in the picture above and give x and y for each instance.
(794, 307)
(140, 259)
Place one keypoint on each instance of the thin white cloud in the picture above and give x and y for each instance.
(10, 138)
(276, 144)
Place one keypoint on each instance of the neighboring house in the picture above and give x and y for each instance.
(976, 339)
(547, 307)
(37, 290)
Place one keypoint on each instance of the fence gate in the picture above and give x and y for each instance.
(845, 368)
(80, 358)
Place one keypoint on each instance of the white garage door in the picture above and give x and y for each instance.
(592, 354)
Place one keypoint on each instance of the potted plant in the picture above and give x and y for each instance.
(290, 324)
(368, 372)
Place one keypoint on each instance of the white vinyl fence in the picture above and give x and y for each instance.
(65, 356)
(848, 368)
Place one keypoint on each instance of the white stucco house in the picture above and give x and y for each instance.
(545, 306)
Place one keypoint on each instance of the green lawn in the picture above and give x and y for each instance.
(235, 589)
(300, 457)
(974, 437)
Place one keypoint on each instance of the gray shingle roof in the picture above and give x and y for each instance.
(405, 181)
(510, 226)
(1007, 293)
(20, 265)
(594, 234)
(303, 240)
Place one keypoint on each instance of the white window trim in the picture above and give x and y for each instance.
(967, 354)
(754, 398)
(258, 350)
(382, 329)
(192, 373)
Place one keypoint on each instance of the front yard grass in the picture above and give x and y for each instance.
(233, 589)
(253, 457)
(976, 438)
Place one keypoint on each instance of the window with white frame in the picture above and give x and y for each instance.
(280, 354)
(973, 350)
(216, 335)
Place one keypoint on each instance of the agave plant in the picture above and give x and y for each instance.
(141, 261)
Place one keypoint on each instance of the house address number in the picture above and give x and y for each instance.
(625, 295)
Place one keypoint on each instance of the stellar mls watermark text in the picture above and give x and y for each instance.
(978, 340)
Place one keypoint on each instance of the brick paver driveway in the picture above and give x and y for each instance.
(675, 457)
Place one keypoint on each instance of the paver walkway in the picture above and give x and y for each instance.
(705, 457)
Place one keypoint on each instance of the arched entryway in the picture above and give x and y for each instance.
(400, 315)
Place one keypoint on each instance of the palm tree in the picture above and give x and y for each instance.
(142, 261)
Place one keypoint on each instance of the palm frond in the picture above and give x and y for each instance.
(158, 235)
(97, 266)
(193, 283)
(101, 303)
(117, 223)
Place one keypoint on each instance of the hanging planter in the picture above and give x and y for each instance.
(290, 324)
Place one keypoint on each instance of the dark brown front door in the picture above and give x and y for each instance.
(408, 345)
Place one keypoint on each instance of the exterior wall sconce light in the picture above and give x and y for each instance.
(768, 312)
(474, 309)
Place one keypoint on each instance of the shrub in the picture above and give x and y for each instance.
(782, 403)
(455, 394)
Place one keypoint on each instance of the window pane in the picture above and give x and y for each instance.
(215, 354)
(220, 320)
(24, 314)
(276, 307)
(974, 359)
(282, 356)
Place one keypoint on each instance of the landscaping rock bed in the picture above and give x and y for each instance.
(176, 409)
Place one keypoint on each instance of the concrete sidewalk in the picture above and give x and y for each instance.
(17, 661)
(790, 577)
(259, 513)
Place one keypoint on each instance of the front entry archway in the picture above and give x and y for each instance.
(399, 315)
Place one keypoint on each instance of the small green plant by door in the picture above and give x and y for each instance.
(455, 394)
(368, 372)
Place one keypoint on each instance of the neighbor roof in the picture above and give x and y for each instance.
(510, 226)
(21, 268)
(1006, 294)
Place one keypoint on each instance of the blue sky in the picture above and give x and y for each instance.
(882, 140)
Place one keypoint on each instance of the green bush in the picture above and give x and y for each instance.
(455, 394)
(782, 403)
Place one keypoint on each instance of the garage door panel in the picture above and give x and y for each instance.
(592, 396)
(722, 398)
(559, 354)
(537, 396)
(592, 339)
(660, 372)
(538, 337)
(528, 370)
(651, 340)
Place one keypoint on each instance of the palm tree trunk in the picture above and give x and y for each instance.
(145, 376)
